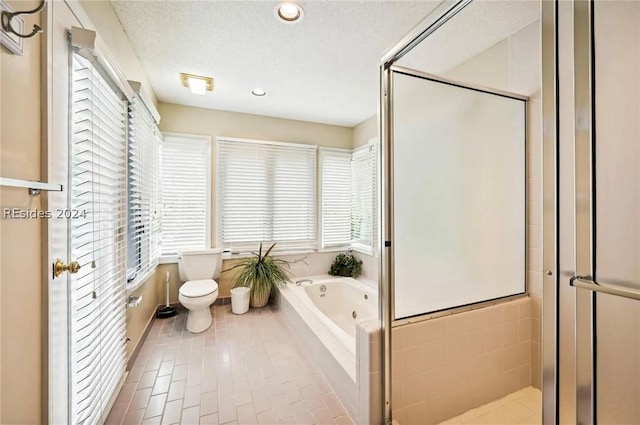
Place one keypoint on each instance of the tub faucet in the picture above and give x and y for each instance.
(300, 282)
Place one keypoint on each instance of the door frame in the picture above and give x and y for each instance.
(55, 146)
(550, 230)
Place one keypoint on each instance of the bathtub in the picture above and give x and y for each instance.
(339, 303)
(336, 321)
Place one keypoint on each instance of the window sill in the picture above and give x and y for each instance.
(230, 256)
(365, 251)
(139, 281)
(335, 249)
(173, 259)
(168, 259)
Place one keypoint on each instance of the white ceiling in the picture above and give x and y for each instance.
(323, 69)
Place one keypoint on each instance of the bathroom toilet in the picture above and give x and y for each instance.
(197, 270)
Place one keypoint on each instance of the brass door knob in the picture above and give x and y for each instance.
(59, 267)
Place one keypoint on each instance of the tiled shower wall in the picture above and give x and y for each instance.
(525, 78)
(443, 367)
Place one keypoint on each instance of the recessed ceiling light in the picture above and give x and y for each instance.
(196, 83)
(258, 92)
(289, 12)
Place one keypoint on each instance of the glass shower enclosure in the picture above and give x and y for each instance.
(457, 317)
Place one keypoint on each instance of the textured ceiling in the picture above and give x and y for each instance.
(323, 69)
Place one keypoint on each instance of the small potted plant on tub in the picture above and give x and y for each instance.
(346, 264)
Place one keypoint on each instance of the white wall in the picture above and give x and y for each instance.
(365, 131)
(490, 68)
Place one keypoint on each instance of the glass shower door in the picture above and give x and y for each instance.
(607, 161)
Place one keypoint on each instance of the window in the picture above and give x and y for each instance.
(266, 193)
(363, 198)
(348, 196)
(144, 214)
(185, 175)
(335, 198)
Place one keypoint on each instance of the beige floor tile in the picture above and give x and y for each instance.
(343, 420)
(176, 390)
(322, 416)
(244, 369)
(227, 411)
(162, 385)
(333, 404)
(267, 418)
(520, 407)
(208, 403)
(156, 405)
(156, 420)
(117, 414)
(209, 419)
(190, 416)
(140, 399)
(172, 412)
(246, 414)
(133, 417)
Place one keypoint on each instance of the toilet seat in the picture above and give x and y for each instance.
(198, 288)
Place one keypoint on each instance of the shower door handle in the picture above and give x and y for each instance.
(585, 282)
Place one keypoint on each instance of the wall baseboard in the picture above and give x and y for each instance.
(134, 354)
(222, 301)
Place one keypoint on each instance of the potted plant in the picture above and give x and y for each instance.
(346, 264)
(262, 274)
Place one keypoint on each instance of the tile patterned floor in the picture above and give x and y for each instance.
(521, 407)
(243, 370)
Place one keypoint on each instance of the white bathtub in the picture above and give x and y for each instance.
(328, 305)
(344, 347)
(343, 301)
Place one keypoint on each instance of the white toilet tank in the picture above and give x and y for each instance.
(201, 264)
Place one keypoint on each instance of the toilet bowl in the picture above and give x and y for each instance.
(198, 269)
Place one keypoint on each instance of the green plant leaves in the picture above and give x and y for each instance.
(261, 273)
(346, 264)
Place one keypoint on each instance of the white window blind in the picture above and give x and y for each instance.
(335, 198)
(144, 177)
(363, 193)
(185, 174)
(98, 243)
(266, 192)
